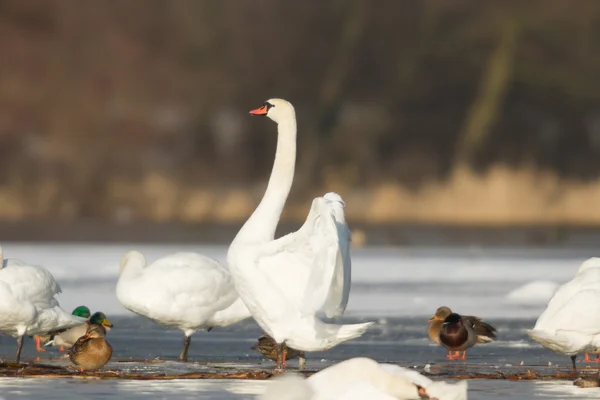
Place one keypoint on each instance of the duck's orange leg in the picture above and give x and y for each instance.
(464, 355)
(284, 355)
(453, 355)
(587, 358)
(598, 358)
(37, 344)
(61, 348)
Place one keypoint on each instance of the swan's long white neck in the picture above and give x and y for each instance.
(261, 226)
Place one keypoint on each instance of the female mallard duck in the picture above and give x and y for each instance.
(46, 339)
(457, 334)
(268, 347)
(91, 351)
(66, 339)
(484, 331)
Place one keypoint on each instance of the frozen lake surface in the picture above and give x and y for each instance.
(399, 288)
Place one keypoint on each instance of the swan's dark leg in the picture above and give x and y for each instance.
(280, 360)
(301, 361)
(573, 361)
(186, 345)
(19, 347)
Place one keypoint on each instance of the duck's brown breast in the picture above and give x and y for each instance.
(434, 331)
(93, 354)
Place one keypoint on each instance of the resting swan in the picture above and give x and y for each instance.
(187, 291)
(570, 324)
(363, 378)
(315, 258)
(27, 303)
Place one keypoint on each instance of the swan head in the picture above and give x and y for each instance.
(278, 110)
(133, 259)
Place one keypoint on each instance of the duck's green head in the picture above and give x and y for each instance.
(100, 319)
(82, 311)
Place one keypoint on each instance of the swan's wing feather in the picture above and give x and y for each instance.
(581, 313)
(564, 294)
(181, 284)
(31, 283)
(339, 292)
(302, 264)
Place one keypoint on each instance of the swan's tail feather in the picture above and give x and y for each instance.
(551, 340)
(343, 333)
(61, 319)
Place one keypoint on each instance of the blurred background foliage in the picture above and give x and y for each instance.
(461, 112)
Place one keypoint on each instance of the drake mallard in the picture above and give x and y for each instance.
(268, 348)
(457, 334)
(67, 338)
(81, 311)
(484, 332)
(91, 351)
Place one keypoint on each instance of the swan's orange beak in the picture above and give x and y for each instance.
(262, 110)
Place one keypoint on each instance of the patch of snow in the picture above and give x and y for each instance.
(533, 293)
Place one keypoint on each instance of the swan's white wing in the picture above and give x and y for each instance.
(31, 283)
(181, 290)
(339, 292)
(302, 264)
(581, 314)
(588, 278)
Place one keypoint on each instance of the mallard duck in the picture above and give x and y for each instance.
(81, 311)
(91, 351)
(28, 306)
(66, 339)
(569, 324)
(457, 334)
(268, 347)
(484, 331)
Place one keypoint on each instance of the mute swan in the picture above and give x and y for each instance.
(570, 324)
(484, 332)
(27, 303)
(363, 378)
(316, 257)
(187, 291)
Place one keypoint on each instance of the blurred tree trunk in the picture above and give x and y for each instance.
(333, 91)
(493, 88)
